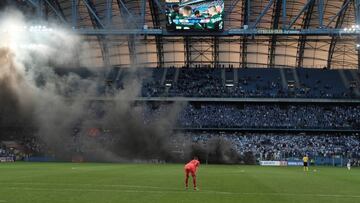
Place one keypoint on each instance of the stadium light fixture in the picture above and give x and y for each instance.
(20, 36)
(352, 29)
(357, 47)
(33, 28)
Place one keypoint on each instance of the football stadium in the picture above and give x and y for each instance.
(154, 101)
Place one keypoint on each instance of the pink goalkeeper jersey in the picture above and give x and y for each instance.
(192, 165)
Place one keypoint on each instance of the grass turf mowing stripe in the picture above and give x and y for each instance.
(183, 191)
(154, 183)
(80, 184)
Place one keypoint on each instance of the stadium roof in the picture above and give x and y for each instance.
(128, 45)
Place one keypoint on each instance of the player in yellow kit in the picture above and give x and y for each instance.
(306, 163)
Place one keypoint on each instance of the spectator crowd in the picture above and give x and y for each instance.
(4, 152)
(270, 146)
(7, 154)
(205, 82)
(302, 116)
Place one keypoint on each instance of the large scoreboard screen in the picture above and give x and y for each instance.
(198, 15)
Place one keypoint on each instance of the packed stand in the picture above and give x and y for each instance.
(4, 152)
(285, 146)
(310, 116)
(252, 82)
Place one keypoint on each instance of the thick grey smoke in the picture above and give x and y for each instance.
(216, 150)
(33, 95)
(57, 108)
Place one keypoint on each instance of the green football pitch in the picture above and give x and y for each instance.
(93, 182)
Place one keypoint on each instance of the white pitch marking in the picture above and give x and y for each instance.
(86, 190)
(293, 194)
(1, 200)
(180, 191)
(71, 184)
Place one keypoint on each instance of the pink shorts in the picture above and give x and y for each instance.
(190, 170)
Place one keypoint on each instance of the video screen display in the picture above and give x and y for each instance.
(197, 15)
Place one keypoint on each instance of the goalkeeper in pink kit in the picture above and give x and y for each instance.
(190, 168)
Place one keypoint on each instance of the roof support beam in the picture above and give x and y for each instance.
(132, 50)
(284, 17)
(109, 13)
(160, 51)
(340, 12)
(106, 54)
(303, 38)
(321, 12)
(91, 8)
(258, 19)
(143, 10)
(159, 39)
(244, 52)
(230, 32)
(231, 8)
(358, 53)
(276, 19)
(38, 5)
(357, 19)
(40, 9)
(131, 35)
(334, 39)
(159, 5)
(33, 3)
(99, 25)
(57, 4)
(246, 17)
(122, 6)
(187, 53)
(74, 13)
(154, 14)
(299, 14)
(248, 11)
(58, 12)
(215, 52)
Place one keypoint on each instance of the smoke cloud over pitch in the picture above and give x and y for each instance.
(55, 106)
(57, 109)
